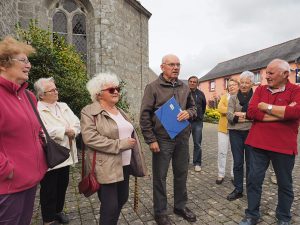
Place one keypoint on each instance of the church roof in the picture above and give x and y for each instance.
(288, 51)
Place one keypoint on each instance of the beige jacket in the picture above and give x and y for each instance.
(56, 129)
(234, 106)
(100, 133)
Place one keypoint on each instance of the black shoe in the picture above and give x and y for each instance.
(220, 180)
(62, 218)
(53, 223)
(186, 214)
(248, 221)
(162, 220)
(234, 195)
(281, 222)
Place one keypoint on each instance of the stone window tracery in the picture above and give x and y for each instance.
(69, 20)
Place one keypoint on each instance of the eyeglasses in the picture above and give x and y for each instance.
(52, 90)
(25, 61)
(112, 90)
(173, 64)
(233, 84)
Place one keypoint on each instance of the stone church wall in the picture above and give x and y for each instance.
(117, 37)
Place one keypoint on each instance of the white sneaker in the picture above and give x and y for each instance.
(197, 168)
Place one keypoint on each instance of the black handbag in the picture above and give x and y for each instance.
(55, 153)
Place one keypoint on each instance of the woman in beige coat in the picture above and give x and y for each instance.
(107, 130)
(63, 126)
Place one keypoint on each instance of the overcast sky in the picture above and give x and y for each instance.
(205, 32)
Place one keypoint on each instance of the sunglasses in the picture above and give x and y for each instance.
(112, 90)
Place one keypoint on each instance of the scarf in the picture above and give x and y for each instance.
(244, 100)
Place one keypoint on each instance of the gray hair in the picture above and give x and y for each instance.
(282, 64)
(164, 59)
(39, 86)
(97, 83)
(247, 74)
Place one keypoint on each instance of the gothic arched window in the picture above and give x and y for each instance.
(69, 20)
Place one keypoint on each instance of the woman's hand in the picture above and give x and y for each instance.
(240, 114)
(70, 133)
(131, 142)
(11, 175)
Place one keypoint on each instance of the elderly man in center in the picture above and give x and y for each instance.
(275, 109)
(164, 149)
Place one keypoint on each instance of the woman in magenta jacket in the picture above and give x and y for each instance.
(22, 160)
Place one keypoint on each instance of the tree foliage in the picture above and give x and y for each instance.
(56, 58)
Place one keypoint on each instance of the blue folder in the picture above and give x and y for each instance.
(167, 115)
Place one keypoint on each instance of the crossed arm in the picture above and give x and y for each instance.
(257, 109)
(277, 112)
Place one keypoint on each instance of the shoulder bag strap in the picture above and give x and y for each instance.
(37, 114)
(83, 157)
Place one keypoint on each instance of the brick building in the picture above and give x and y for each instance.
(214, 83)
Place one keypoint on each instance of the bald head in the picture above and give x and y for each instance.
(170, 67)
(168, 57)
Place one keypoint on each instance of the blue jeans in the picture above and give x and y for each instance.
(283, 166)
(197, 126)
(176, 150)
(239, 152)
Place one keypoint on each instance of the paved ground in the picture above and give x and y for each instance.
(206, 199)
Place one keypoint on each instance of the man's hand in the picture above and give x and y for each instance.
(183, 115)
(154, 147)
(262, 106)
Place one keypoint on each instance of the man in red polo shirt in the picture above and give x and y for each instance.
(275, 111)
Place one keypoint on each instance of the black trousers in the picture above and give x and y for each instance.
(53, 192)
(177, 151)
(112, 197)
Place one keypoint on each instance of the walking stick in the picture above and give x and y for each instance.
(136, 195)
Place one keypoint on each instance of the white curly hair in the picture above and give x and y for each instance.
(97, 83)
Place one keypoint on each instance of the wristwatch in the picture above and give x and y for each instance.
(269, 109)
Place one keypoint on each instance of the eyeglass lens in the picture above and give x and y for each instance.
(52, 90)
(112, 89)
(174, 64)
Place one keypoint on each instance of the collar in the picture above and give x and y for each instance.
(44, 106)
(164, 82)
(278, 90)
(96, 109)
(12, 87)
